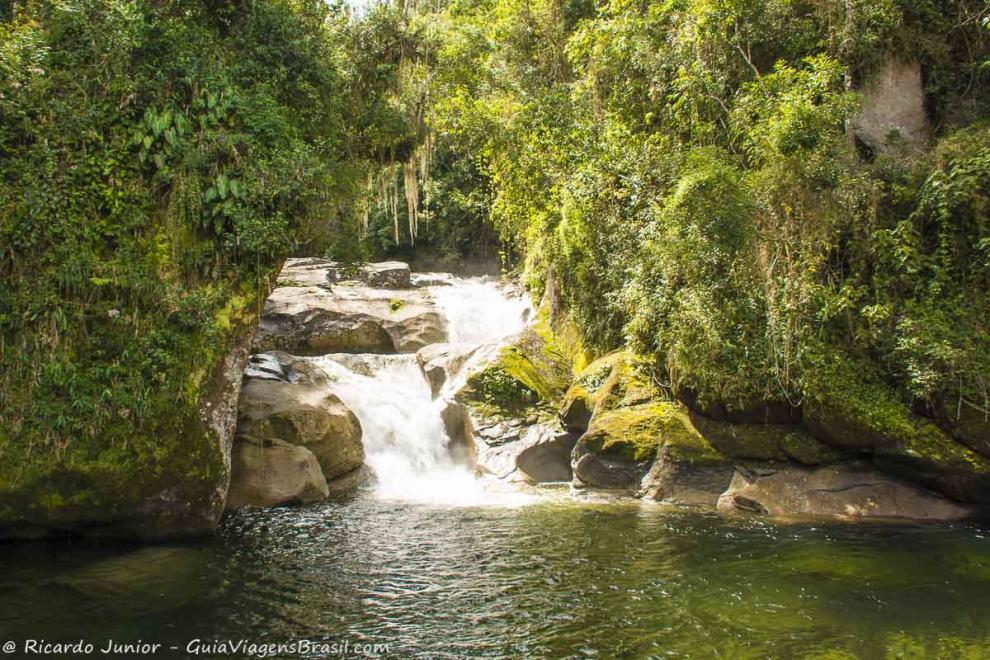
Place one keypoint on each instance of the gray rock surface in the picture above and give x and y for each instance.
(270, 472)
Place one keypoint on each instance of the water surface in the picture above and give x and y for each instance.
(549, 579)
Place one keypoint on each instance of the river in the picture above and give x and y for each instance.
(433, 562)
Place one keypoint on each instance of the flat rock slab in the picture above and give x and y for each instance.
(835, 491)
(350, 318)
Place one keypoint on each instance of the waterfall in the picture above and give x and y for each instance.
(405, 441)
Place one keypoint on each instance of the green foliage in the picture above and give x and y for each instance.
(158, 160)
(685, 171)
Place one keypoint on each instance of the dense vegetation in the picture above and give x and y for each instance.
(157, 159)
(687, 171)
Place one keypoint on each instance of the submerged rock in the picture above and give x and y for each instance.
(271, 472)
(834, 491)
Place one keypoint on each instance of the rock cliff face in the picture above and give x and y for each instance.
(118, 492)
(893, 110)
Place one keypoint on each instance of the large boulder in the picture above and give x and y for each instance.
(163, 478)
(849, 410)
(765, 442)
(687, 469)
(285, 398)
(305, 272)
(834, 490)
(352, 318)
(269, 472)
(619, 445)
(893, 110)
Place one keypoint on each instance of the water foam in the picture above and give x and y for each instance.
(405, 441)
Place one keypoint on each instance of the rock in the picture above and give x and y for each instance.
(847, 408)
(271, 472)
(347, 483)
(382, 275)
(753, 411)
(764, 442)
(893, 105)
(597, 471)
(536, 453)
(576, 409)
(309, 320)
(835, 491)
(676, 479)
(305, 272)
(172, 481)
(457, 424)
(441, 362)
(531, 370)
(546, 456)
(303, 414)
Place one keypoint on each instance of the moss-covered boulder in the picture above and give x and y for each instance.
(158, 471)
(621, 444)
(532, 372)
(269, 472)
(847, 409)
(765, 442)
(610, 382)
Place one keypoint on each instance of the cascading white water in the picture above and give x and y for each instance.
(405, 441)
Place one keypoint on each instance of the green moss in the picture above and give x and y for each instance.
(852, 410)
(636, 433)
(534, 371)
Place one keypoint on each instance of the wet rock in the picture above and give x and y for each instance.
(271, 472)
(457, 424)
(309, 320)
(535, 453)
(597, 471)
(677, 479)
(440, 363)
(835, 491)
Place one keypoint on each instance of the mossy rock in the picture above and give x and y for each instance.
(533, 371)
(851, 411)
(636, 432)
(765, 442)
(610, 382)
